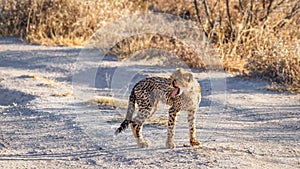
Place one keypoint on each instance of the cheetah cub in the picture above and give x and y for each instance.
(181, 91)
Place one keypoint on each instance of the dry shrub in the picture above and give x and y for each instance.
(148, 41)
(13, 17)
(60, 22)
(256, 38)
(276, 61)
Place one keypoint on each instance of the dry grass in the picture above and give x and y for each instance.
(108, 101)
(43, 80)
(63, 94)
(59, 22)
(149, 41)
(256, 38)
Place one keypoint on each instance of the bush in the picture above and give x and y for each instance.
(256, 38)
(60, 22)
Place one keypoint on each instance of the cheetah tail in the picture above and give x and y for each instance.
(123, 126)
(130, 111)
(131, 106)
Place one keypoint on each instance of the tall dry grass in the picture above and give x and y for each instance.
(259, 38)
(59, 22)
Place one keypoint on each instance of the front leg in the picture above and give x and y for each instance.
(192, 127)
(173, 112)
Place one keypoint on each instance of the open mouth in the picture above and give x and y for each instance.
(176, 90)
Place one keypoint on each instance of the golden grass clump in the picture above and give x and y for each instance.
(59, 22)
(110, 101)
(63, 94)
(43, 80)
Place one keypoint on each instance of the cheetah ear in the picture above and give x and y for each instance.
(189, 77)
(180, 70)
(171, 79)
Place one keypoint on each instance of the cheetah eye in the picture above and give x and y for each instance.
(189, 77)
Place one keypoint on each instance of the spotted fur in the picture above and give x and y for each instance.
(181, 91)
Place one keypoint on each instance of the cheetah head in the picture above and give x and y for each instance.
(180, 80)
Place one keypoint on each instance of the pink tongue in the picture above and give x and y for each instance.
(174, 92)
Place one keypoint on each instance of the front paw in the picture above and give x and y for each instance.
(170, 145)
(195, 142)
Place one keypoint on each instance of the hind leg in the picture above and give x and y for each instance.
(137, 127)
(147, 111)
(137, 133)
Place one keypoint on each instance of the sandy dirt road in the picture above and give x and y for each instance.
(48, 121)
